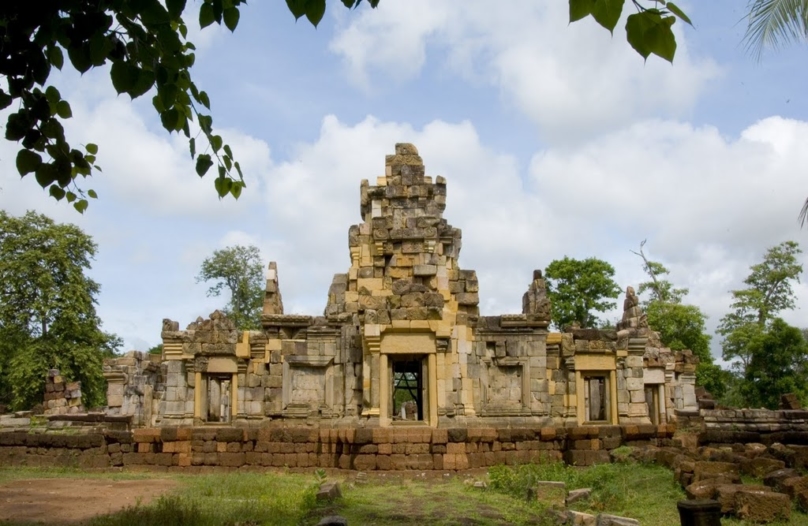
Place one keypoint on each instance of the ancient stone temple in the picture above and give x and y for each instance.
(402, 342)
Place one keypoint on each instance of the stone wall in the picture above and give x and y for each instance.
(61, 397)
(729, 426)
(418, 448)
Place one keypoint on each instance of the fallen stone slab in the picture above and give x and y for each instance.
(761, 466)
(762, 506)
(705, 489)
(725, 494)
(775, 478)
(329, 491)
(614, 520)
(578, 518)
(578, 494)
(725, 471)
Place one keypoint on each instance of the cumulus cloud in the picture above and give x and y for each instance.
(572, 80)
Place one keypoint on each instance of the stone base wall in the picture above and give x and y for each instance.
(727, 426)
(405, 448)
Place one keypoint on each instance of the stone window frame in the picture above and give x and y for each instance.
(486, 409)
(317, 362)
(657, 377)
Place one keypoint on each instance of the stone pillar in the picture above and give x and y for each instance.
(384, 391)
(432, 368)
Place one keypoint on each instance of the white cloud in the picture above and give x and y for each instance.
(573, 80)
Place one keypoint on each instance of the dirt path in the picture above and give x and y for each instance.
(70, 501)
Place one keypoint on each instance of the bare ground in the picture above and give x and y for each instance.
(72, 501)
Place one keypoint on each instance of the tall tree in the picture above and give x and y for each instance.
(776, 367)
(47, 309)
(769, 291)
(578, 289)
(680, 326)
(239, 270)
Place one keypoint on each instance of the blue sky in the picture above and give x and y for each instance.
(555, 140)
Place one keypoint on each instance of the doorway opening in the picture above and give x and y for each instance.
(596, 396)
(409, 373)
(216, 401)
(652, 401)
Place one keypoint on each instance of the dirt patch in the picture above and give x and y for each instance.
(71, 501)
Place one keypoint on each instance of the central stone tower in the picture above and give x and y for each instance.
(406, 292)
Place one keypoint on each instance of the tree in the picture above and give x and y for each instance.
(577, 288)
(776, 366)
(47, 310)
(768, 293)
(679, 326)
(773, 23)
(239, 270)
(145, 43)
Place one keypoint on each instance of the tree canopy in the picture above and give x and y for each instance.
(769, 291)
(239, 270)
(47, 310)
(680, 326)
(578, 289)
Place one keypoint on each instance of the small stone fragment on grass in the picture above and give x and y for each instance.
(329, 491)
(480, 484)
(333, 520)
(578, 518)
(578, 494)
(614, 520)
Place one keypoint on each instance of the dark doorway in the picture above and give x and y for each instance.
(408, 388)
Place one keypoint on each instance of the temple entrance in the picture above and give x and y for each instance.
(652, 401)
(216, 405)
(408, 389)
(596, 396)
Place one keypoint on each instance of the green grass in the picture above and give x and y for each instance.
(643, 492)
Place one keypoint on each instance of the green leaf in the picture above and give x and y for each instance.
(580, 9)
(636, 26)
(231, 16)
(315, 9)
(235, 189)
(673, 8)
(81, 205)
(124, 76)
(45, 174)
(63, 109)
(100, 48)
(91, 148)
(607, 13)
(192, 146)
(203, 98)
(347, 3)
(171, 119)
(238, 169)
(297, 7)
(203, 164)
(80, 58)
(5, 100)
(175, 8)
(92, 194)
(52, 95)
(28, 161)
(56, 192)
(223, 185)
(206, 15)
(55, 56)
(216, 142)
(144, 82)
(227, 150)
(71, 197)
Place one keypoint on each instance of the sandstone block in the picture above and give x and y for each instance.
(762, 506)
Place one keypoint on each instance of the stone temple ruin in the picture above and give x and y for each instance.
(402, 342)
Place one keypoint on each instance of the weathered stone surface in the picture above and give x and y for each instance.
(614, 520)
(579, 518)
(762, 506)
(725, 494)
(329, 491)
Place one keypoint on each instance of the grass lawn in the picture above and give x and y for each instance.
(644, 492)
